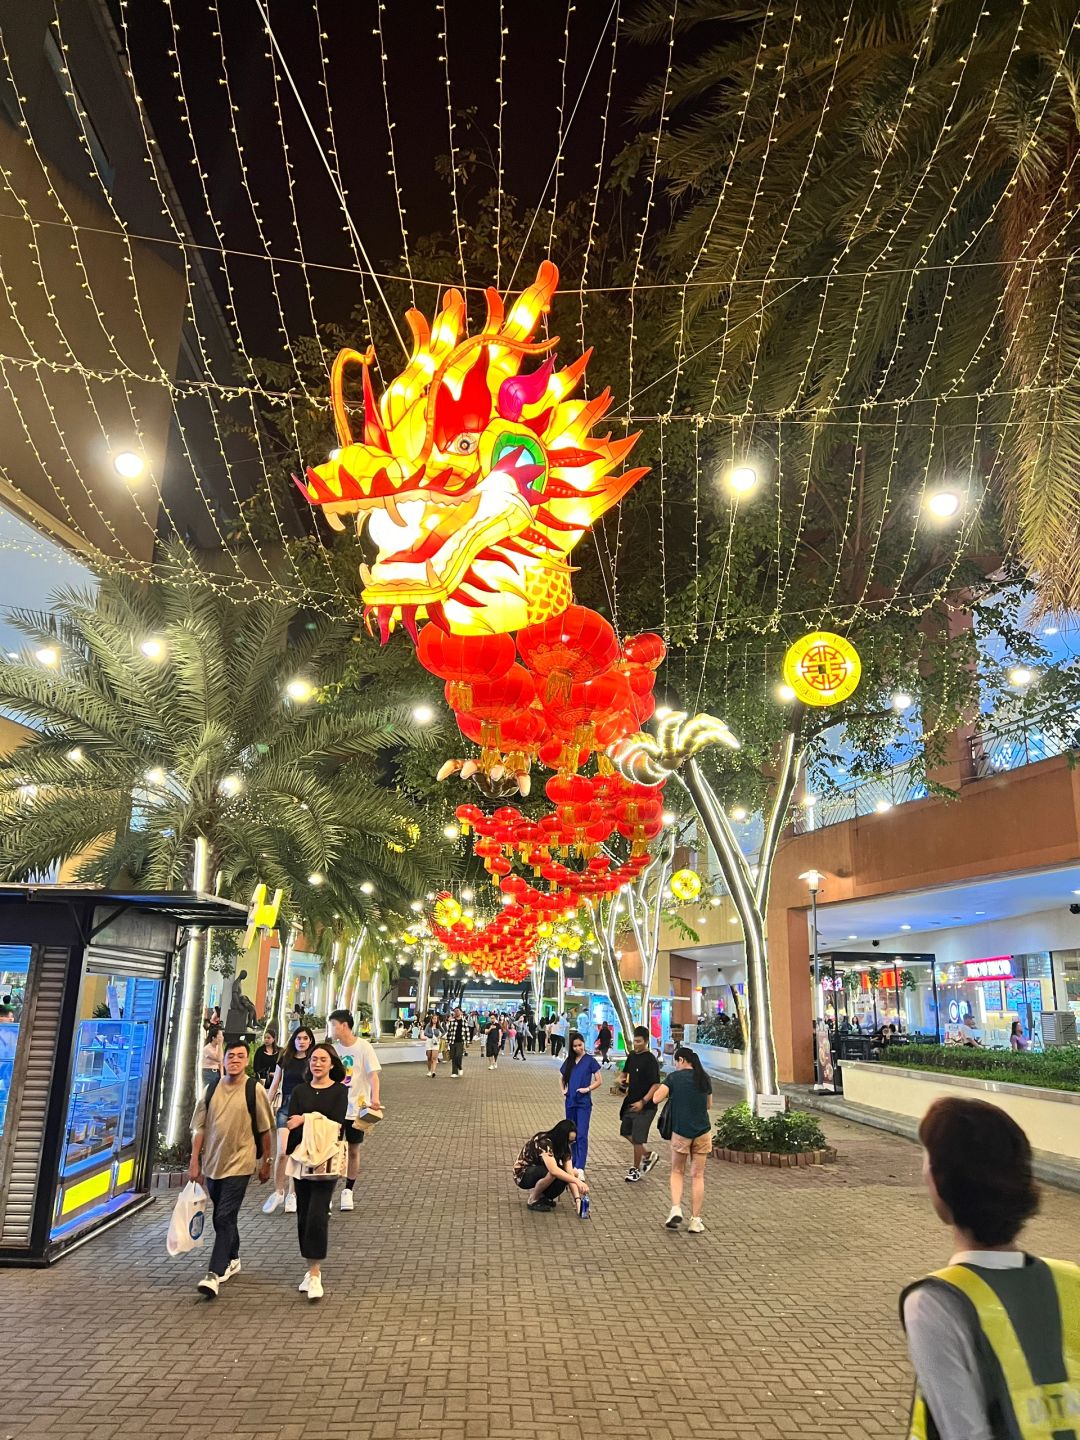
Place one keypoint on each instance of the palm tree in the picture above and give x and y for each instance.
(181, 740)
(875, 206)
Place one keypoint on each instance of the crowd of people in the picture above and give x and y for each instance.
(994, 1337)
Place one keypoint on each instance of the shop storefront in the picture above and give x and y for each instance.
(80, 1065)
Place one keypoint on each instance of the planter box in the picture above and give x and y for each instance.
(1050, 1118)
(715, 1057)
(768, 1158)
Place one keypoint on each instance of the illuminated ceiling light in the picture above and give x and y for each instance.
(701, 919)
(1019, 676)
(416, 905)
(715, 902)
(128, 465)
(738, 813)
(466, 895)
(785, 693)
(300, 690)
(943, 504)
(76, 755)
(905, 927)
(741, 479)
(156, 776)
(668, 818)
(883, 806)
(153, 649)
(47, 655)
(423, 714)
(315, 878)
(367, 888)
(734, 920)
(900, 700)
(231, 785)
(451, 832)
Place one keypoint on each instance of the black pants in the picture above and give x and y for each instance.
(313, 1198)
(226, 1196)
(556, 1044)
(533, 1174)
(519, 1049)
(457, 1055)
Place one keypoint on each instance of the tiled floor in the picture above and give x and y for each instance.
(452, 1313)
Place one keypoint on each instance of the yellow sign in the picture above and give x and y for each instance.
(822, 669)
(686, 884)
(262, 914)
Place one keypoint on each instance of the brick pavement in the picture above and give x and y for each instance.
(452, 1313)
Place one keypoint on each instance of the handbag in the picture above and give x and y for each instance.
(663, 1125)
(334, 1167)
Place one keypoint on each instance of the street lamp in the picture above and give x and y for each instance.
(813, 879)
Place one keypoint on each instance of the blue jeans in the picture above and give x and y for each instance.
(579, 1111)
(227, 1196)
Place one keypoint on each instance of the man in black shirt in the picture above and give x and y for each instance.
(457, 1036)
(642, 1071)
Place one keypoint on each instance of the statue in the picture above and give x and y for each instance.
(240, 1012)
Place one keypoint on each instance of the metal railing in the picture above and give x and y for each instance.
(872, 796)
(994, 751)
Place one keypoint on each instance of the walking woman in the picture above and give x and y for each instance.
(580, 1077)
(292, 1068)
(492, 1041)
(431, 1043)
(265, 1061)
(322, 1095)
(521, 1039)
(213, 1054)
(543, 1168)
(689, 1091)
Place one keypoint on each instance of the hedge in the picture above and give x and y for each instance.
(1057, 1069)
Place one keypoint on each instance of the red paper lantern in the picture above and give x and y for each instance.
(464, 660)
(648, 650)
(575, 645)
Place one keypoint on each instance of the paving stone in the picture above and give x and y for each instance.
(450, 1310)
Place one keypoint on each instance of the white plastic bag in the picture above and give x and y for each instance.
(188, 1219)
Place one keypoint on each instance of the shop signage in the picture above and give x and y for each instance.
(997, 967)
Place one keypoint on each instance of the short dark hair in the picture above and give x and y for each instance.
(981, 1163)
(640, 1032)
(345, 1016)
(235, 1045)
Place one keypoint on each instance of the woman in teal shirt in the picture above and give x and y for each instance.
(689, 1091)
(580, 1077)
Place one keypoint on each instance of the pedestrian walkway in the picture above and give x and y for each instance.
(452, 1313)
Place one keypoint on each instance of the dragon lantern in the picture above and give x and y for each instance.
(475, 480)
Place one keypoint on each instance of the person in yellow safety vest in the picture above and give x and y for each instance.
(994, 1338)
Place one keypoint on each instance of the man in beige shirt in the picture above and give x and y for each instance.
(228, 1138)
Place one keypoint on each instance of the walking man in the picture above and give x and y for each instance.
(457, 1036)
(362, 1082)
(230, 1134)
(642, 1071)
(559, 1032)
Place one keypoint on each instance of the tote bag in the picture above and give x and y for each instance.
(334, 1167)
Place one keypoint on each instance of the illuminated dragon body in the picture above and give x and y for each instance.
(476, 481)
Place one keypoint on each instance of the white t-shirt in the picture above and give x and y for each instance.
(361, 1063)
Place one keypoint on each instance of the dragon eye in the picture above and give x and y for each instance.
(464, 444)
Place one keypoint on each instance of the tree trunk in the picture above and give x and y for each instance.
(423, 984)
(375, 992)
(609, 965)
(184, 1049)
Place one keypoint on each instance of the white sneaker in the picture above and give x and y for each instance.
(696, 1226)
(233, 1269)
(208, 1285)
(653, 1158)
(304, 1283)
(346, 1201)
(674, 1220)
(491, 1067)
(275, 1199)
(290, 1204)
(314, 1288)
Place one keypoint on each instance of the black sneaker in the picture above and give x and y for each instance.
(633, 1175)
(544, 1205)
(653, 1158)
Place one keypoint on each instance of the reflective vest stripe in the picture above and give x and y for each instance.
(996, 1325)
(1067, 1285)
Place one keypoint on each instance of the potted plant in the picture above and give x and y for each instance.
(790, 1139)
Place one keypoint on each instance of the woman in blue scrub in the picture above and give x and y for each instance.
(580, 1077)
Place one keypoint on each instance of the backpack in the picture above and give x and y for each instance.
(250, 1087)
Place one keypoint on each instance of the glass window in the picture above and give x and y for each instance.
(107, 1106)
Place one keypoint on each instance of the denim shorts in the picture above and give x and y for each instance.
(281, 1117)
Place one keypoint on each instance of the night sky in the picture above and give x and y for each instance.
(416, 85)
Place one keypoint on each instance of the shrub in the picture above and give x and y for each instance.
(788, 1134)
(1057, 1069)
(725, 1037)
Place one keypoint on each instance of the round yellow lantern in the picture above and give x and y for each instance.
(409, 938)
(553, 963)
(545, 929)
(686, 884)
(573, 943)
(447, 909)
(822, 668)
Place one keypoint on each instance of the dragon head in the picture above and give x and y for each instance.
(476, 481)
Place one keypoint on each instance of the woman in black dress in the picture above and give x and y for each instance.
(325, 1095)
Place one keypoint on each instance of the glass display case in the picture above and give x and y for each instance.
(110, 1075)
